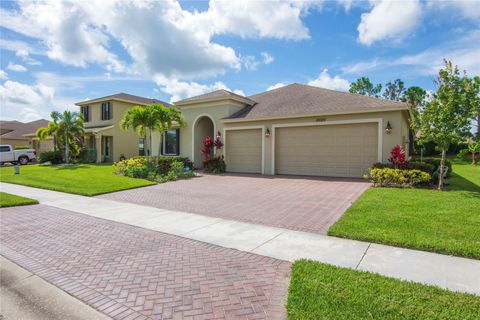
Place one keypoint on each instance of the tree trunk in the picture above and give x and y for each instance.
(67, 159)
(159, 153)
(474, 158)
(150, 143)
(441, 182)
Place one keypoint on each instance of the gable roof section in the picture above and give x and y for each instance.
(125, 97)
(303, 100)
(216, 95)
(19, 129)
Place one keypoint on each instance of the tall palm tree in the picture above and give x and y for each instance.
(71, 130)
(141, 120)
(165, 118)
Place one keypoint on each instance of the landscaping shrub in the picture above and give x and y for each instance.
(136, 167)
(87, 155)
(397, 157)
(436, 162)
(389, 177)
(422, 166)
(54, 157)
(169, 168)
(214, 165)
(21, 147)
(165, 163)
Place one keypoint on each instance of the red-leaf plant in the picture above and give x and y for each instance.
(397, 157)
(208, 146)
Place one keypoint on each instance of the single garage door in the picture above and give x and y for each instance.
(326, 150)
(244, 150)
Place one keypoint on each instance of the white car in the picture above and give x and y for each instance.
(22, 156)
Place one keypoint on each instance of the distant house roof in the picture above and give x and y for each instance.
(124, 97)
(215, 96)
(17, 129)
(303, 100)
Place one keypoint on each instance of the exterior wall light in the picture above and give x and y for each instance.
(388, 128)
(267, 133)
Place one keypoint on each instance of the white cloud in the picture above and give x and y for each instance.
(16, 67)
(324, 80)
(3, 75)
(467, 8)
(462, 51)
(267, 58)
(174, 43)
(391, 20)
(27, 102)
(16, 45)
(272, 19)
(250, 62)
(181, 89)
(276, 86)
(430, 61)
(24, 55)
(360, 66)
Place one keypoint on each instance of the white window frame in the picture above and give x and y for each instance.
(262, 127)
(379, 122)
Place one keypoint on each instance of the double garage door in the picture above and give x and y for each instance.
(345, 150)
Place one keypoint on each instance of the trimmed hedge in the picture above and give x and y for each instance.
(21, 147)
(388, 177)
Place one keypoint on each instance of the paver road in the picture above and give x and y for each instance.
(129, 272)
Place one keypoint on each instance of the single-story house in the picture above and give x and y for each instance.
(295, 130)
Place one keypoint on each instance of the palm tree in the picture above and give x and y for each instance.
(165, 118)
(52, 130)
(71, 129)
(141, 120)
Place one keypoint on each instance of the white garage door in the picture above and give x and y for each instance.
(326, 150)
(244, 150)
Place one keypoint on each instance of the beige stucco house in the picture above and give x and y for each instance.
(295, 130)
(18, 133)
(102, 118)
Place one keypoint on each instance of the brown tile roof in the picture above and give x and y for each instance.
(214, 95)
(299, 99)
(18, 129)
(126, 96)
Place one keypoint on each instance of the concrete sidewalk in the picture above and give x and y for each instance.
(454, 273)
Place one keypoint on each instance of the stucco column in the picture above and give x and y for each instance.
(98, 146)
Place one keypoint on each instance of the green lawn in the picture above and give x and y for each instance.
(445, 222)
(84, 179)
(319, 291)
(10, 200)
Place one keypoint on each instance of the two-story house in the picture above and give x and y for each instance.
(102, 118)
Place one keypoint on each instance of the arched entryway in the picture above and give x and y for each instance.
(203, 126)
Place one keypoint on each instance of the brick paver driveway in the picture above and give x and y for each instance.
(132, 273)
(297, 203)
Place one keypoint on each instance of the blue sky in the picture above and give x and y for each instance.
(56, 53)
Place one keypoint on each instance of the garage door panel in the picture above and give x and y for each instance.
(244, 150)
(326, 150)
